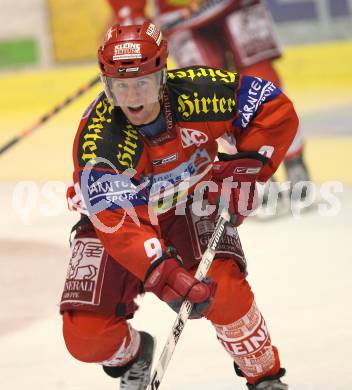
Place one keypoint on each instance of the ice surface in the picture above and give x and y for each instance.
(300, 271)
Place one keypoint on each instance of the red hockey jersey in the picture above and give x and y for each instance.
(200, 104)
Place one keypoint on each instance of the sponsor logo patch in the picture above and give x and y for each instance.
(155, 33)
(211, 74)
(246, 170)
(101, 116)
(111, 191)
(168, 189)
(135, 69)
(190, 168)
(109, 34)
(127, 50)
(85, 272)
(126, 150)
(178, 329)
(204, 107)
(252, 94)
(165, 160)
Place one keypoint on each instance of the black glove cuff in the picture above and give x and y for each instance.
(240, 155)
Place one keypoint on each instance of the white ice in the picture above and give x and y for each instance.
(300, 270)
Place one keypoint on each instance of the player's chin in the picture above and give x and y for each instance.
(136, 115)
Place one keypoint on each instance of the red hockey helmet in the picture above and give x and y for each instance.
(132, 51)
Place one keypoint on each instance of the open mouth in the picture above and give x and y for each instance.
(135, 110)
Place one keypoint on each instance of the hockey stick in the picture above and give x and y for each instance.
(186, 307)
(49, 115)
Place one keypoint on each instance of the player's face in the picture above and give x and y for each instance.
(138, 98)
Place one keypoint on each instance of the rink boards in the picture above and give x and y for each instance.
(299, 268)
(317, 78)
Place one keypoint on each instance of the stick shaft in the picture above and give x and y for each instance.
(186, 307)
(48, 115)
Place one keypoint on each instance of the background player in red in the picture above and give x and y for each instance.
(228, 34)
(146, 177)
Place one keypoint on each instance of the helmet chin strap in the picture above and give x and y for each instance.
(162, 85)
(107, 90)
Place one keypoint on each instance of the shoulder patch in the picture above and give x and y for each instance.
(252, 93)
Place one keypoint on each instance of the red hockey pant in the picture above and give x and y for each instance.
(240, 328)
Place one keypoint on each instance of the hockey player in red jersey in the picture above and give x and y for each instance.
(147, 177)
(229, 34)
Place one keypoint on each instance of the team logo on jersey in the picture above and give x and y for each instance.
(266, 150)
(191, 137)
